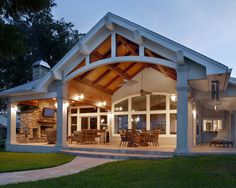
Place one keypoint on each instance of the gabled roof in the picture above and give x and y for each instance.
(213, 67)
(21, 89)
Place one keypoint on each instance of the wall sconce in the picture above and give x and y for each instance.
(102, 121)
(14, 108)
(173, 97)
(194, 112)
(66, 104)
(55, 105)
(215, 89)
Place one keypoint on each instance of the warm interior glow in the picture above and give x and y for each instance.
(102, 104)
(66, 104)
(14, 108)
(55, 104)
(173, 97)
(79, 97)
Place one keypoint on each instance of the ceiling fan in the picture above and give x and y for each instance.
(127, 82)
(142, 91)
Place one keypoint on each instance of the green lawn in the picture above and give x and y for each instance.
(10, 161)
(207, 171)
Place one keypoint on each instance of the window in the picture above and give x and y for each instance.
(157, 102)
(84, 123)
(158, 121)
(121, 122)
(139, 103)
(173, 123)
(212, 125)
(139, 121)
(73, 111)
(173, 105)
(150, 112)
(122, 106)
(88, 110)
(73, 124)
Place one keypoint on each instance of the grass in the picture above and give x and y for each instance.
(10, 161)
(204, 171)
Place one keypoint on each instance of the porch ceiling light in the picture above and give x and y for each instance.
(102, 104)
(173, 97)
(79, 97)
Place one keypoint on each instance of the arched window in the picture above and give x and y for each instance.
(149, 112)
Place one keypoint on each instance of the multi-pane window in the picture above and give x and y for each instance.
(150, 112)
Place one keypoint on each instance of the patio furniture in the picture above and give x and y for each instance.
(152, 137)
(87, 136)
(133, 138)
(123, 137)
(51, 135)
(77, 137)
(222, 138)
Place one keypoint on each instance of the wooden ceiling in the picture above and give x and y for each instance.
(107, 79)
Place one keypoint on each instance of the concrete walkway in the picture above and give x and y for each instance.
(75, 166)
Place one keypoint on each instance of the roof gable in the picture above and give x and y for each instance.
(134, 32)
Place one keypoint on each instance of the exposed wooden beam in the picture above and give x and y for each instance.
(99, 88)
(117, 77)
(161, 69)
(82, 76)
(120, 72)
(29, 103)
(140, 69)
(101, 76)
(129, 46)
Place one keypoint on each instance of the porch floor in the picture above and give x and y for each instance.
(202, 149)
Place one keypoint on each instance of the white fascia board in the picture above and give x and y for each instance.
(199, 58)
(75, 49)
(33, 96)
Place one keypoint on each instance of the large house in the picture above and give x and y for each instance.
(123, 76)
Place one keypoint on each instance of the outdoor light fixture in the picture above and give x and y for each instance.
(102, 104)
(79, 97)
(194, 112)
(66, 104)
(102, 121)
(173, 97)
(119, 108)
(14, 108)
(215, 89)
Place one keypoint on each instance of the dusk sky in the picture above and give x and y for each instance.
(206, 26)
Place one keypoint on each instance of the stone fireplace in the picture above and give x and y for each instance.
(33, 124)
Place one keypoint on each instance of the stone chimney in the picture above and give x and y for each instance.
(39, 69)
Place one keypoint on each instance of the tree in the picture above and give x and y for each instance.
(36, 36)
(12, 11)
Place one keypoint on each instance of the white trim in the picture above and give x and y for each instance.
(106, 61)
(147, 112)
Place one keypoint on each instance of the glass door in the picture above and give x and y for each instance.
(88, 123)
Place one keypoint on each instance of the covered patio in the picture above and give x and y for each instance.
(121, 76)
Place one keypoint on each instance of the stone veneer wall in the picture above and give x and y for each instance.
(29, 122)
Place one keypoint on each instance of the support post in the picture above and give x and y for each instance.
(62, 106)
(182, 108)
(11, 123)
(234, 127)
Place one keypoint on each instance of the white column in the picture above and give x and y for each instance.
(182, 109)
(11, 123)
(62, 106)
(113, 44)
(234, 127)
